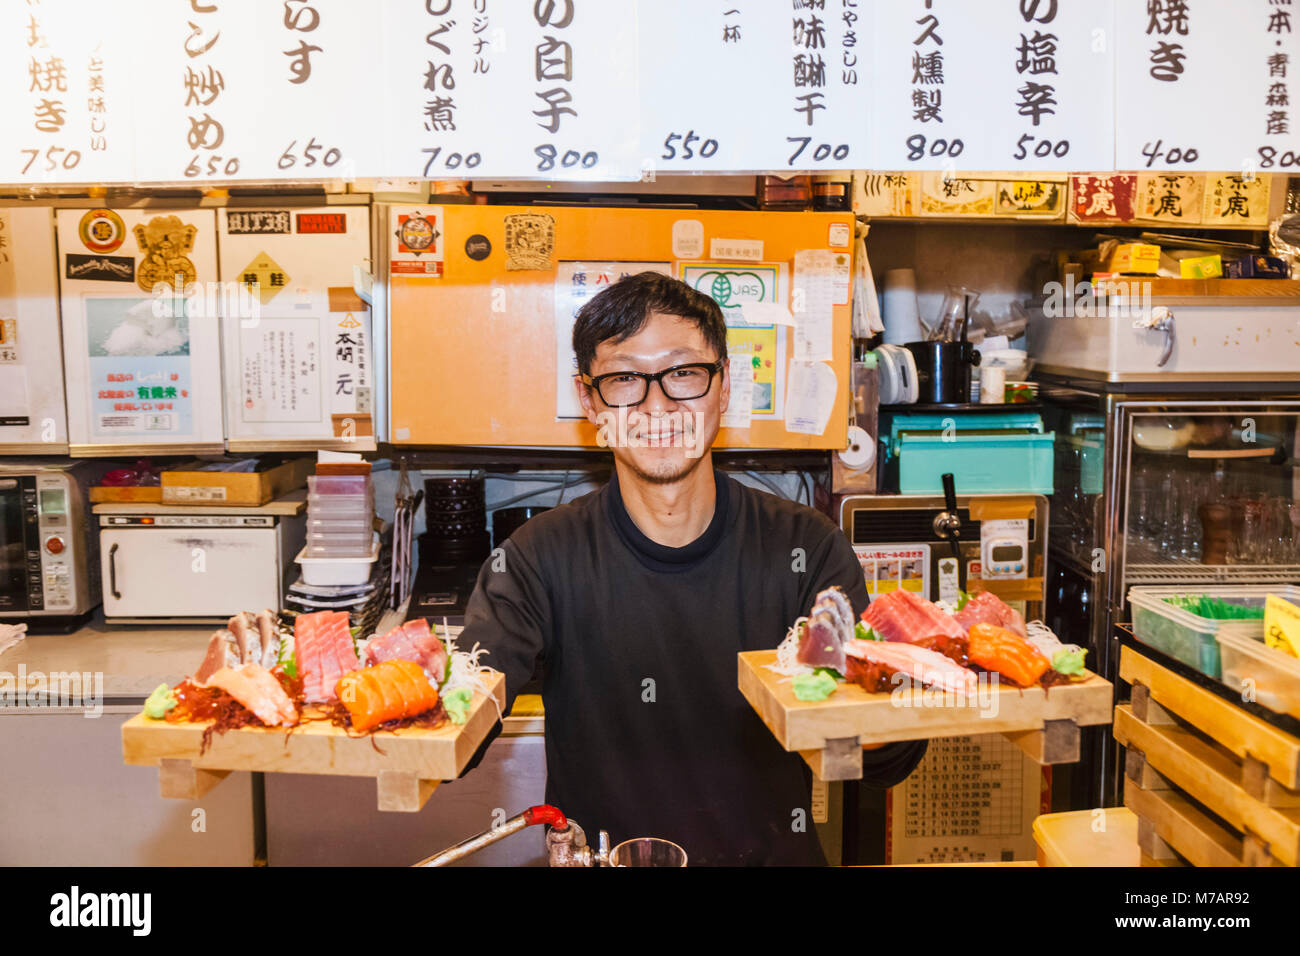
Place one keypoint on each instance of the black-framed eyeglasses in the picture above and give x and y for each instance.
(681, 383)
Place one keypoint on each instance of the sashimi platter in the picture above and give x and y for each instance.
(308, 694)
(912, 669)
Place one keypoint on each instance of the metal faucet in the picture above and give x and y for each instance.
(566, 843)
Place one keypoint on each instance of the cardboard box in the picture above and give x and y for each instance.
(1200, 267)
(246, 488)
(141, 494)
(1134, 257)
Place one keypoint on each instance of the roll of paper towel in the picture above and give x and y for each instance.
(861, 453)
(901, 315)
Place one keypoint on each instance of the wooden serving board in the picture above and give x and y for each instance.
(830, 733)
(412, 763)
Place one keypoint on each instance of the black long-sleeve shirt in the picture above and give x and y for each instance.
(647, 733)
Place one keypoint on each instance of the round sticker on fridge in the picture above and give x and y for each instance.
(101, 230)
(478, 247)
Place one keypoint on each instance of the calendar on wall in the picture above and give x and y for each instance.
(971, 800)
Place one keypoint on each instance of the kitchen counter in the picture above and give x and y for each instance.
(132, 660)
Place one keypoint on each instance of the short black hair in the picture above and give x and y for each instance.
(621, 310)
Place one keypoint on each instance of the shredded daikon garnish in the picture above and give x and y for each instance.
(1045, 640)
(946, 607)
(787, 659)
(465, 670)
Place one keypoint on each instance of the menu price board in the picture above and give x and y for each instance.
(1206, 86)
(545, 90)
(981, 84)
(805, 68)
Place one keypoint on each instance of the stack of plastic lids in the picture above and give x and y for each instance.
(340, 516)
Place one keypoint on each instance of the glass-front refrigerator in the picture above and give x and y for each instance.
(1155, 487)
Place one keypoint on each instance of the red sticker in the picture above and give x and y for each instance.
(319, 223)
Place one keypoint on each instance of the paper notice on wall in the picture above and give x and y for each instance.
(279, 371)
(812, 299)
(809, 397)
(741, 407)
(575, 283)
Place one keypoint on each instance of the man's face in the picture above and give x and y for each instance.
(662, 440)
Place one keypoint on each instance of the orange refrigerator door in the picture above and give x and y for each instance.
(473, 350)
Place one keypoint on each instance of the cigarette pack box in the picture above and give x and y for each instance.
(1258, 267)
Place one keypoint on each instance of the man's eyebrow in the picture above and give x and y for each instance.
(624, 357)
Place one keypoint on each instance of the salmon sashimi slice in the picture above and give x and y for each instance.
(323, 652)
(386, 691)
(257, 689)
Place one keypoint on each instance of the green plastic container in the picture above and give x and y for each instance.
(1185, 636)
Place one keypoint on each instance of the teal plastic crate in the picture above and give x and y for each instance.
(1004, 453)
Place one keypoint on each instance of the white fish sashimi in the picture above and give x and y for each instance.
(920, 664)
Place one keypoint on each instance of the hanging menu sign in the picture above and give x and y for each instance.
(484, 89)
(1206, 86)
(804, 67)
(993, 85)
(65, 116)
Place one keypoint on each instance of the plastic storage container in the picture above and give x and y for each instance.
(988, 453)
(1274, 674)
(1185, 636)
(336, 571)
(339, 524)
(339, 485)
(350, 545)
(338, 506)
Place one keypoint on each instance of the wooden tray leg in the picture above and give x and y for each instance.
(178, 779)
(1057, 742)
(401, 791)
(840, 759)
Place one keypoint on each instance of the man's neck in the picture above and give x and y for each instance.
(674, 514)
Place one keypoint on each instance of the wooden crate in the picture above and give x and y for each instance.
(830, 734)
(1211, 783)
(407, 764)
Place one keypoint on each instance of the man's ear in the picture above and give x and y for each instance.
(584, 399)
(726, 389)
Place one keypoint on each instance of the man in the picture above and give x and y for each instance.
(638, 597)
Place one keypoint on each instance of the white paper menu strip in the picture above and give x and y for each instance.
(986, 84)
(805, 67)
(1207, 86)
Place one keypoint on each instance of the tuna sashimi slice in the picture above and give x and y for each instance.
(822, 644)
(213, 660)
(258, 690)
(926, 667)
(986, 608)
(413, 641)
(323, 652)
(903, 616)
